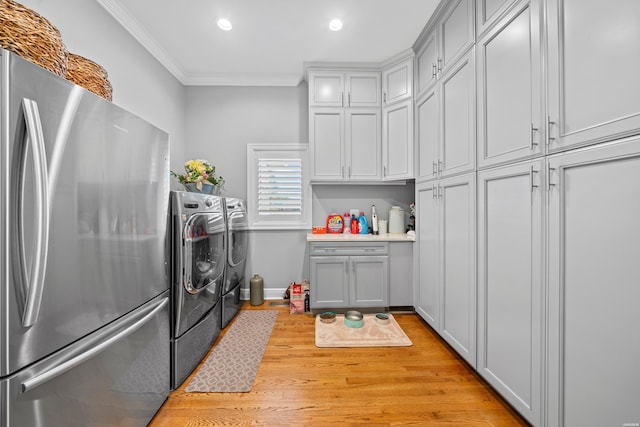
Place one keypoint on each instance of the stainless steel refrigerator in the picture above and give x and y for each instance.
(84, 334)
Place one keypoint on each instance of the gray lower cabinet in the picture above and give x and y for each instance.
(346, 275)
(511, 284)
(594, 337)
(400, 274)
(446, 260)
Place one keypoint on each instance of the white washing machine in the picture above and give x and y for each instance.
(238, 241)
(198, 264)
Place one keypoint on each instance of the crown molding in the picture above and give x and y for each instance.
(138, 32)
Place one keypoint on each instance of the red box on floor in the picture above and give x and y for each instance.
(296, 298)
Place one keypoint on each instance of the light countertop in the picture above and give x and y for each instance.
(359, 238)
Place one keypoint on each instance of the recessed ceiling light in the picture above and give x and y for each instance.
(335, 25)
(224, 24)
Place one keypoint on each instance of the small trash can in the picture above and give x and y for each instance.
(256, 290)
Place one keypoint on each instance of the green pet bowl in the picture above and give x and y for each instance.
(353, 319)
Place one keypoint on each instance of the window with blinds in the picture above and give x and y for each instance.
(278, 189)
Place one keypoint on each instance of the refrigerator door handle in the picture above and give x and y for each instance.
(104, 338)
(36, 272)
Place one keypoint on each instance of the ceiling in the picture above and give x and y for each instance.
(271, 39)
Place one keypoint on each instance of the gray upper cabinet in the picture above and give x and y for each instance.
(397, 82)
(594, 64)
(397, 141)
(443, 44)
(446, 123)
(345, 144)
(489, 11)
(344, 89)
(510, 116)
(426, 63)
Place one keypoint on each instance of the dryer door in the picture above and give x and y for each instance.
(238, 238)
(204, 253)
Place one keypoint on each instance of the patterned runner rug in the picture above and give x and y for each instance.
(233, 364)
(371, 334)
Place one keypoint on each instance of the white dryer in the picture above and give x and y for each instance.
(198, 265)
(238, 242)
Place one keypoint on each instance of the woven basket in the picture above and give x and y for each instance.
(89, 75)
(32, 36)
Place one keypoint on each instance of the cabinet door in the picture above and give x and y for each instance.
(369, 281)
(329, 282)
(509, 89)
(427, 135)
(458, 264)
(510, 284)
(456, 32)
(326, 89)
(401, 270)
(427, 303)
(363, 145)
(458, 136)
(586, 105)
(397, 141)
(594, 338)
(363, 89)
(427, 63)
(326, 141)
(489, 11)
(397, 82)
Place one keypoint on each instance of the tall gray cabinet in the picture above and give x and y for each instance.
(557, 170)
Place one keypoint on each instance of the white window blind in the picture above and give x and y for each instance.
(278, 189)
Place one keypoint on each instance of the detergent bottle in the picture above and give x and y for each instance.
(363, 227)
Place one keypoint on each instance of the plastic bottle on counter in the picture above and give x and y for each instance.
(347, 223)
(363, 227)
(354, 224)
(374, 220)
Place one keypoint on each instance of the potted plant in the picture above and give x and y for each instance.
(200, 177)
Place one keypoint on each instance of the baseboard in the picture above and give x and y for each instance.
(269, 294)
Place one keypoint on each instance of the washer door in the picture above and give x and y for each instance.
(204, 249)
(238, 238)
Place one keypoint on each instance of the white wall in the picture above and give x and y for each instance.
(140, 83)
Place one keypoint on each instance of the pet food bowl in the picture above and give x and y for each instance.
(382, 319)
(353, 319)
(328, 317)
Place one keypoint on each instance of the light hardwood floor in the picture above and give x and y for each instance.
(299, 384)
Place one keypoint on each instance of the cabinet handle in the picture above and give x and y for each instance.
(439, 65)
(440, 192)
(349, 169)
(384, 171)
(349, 99)
(434, 192)
(384, 97)
(342, 98)
(435, 167)
(531, 185)
(533, 131)
(440, 167)
(549, 184)
(550, 123)
(434, 70)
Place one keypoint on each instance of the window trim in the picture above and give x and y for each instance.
(258, 152)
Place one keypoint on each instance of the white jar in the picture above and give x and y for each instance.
(396, 220)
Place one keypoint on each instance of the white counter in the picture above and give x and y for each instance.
(359, 238)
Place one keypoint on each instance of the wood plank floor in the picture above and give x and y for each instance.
(299, 384)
